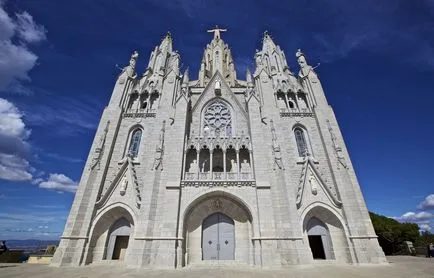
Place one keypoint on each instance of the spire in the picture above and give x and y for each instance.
(267, 42)
(217, 57)
(248, 77)
(166, 43)
(185, 78)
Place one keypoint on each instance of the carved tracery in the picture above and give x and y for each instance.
(217, 120)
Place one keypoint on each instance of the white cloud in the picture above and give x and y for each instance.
(415, 217)
(16, 59)
(59, 182)
(11, 122)
(14, 168)
(425, 227)
(14, 149)
(428, 203)
(28, 30)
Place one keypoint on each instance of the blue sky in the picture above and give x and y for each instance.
(57, 71)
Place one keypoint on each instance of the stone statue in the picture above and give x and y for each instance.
(99, 150)
(216, 32)
(313, 183)
(281, 103)
(131, 68)
(193, 167)
(124, 185)
(258, 59)
(234, 166)
(301, 103)
(245, 166)
(276, 148)
(135, 104)
(304, 67)
(159, 151)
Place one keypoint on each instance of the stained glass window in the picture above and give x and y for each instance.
(135, 142)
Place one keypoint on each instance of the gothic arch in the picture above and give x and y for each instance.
(102, 225)
(335, 225)
(306, 135)
(230, 110)
(131, 130)
(208, 204)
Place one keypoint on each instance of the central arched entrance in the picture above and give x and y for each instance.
(217, 226)
(218, 237)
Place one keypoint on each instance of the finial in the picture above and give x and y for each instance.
(168, 34)
(248, 76)
(185, 78)
(299, 53)
(134, 55)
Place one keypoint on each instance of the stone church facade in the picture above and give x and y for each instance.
(184, 172)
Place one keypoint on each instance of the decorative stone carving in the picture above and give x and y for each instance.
(301, 103)
(311, 173)
(193, 167)
(245, 166)
(159, 152)
(276, 149)
(216, 32)
(234, 166)
(100, 149)
(337, 149)
(131, 68)
(217, 120)
(313, 184)
(218, 204)
(281, 103)
(305, 68)
(123, 187)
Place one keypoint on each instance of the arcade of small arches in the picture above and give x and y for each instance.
(145, 101)
(219, 227)
(292, 102)
(219, 160)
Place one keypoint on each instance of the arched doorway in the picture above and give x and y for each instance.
(319, 240)
(217, 217)
(104, 244)
(324, 230)
(218, 237)
(118, 240)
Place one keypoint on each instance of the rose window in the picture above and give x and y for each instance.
(217, 120)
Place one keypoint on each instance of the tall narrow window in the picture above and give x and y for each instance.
(301, 141)
(135, 143)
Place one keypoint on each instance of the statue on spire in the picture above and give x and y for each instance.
(216, 32)
(305, 68)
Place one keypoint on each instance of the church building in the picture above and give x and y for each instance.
(186, 172)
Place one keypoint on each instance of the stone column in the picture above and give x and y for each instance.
(197, 162)
(224, 163)
(296, 101)
(287, 101)
(210, 164)
(251, 164)
(238, 164)
(185, 166)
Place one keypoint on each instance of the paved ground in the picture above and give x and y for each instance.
(399, 266)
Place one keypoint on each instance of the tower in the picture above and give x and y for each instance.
(185, 171)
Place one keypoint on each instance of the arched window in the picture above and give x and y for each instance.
(135, 142)
(300, 138)
(217, 120)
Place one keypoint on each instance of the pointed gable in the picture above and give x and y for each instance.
(311, 183)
